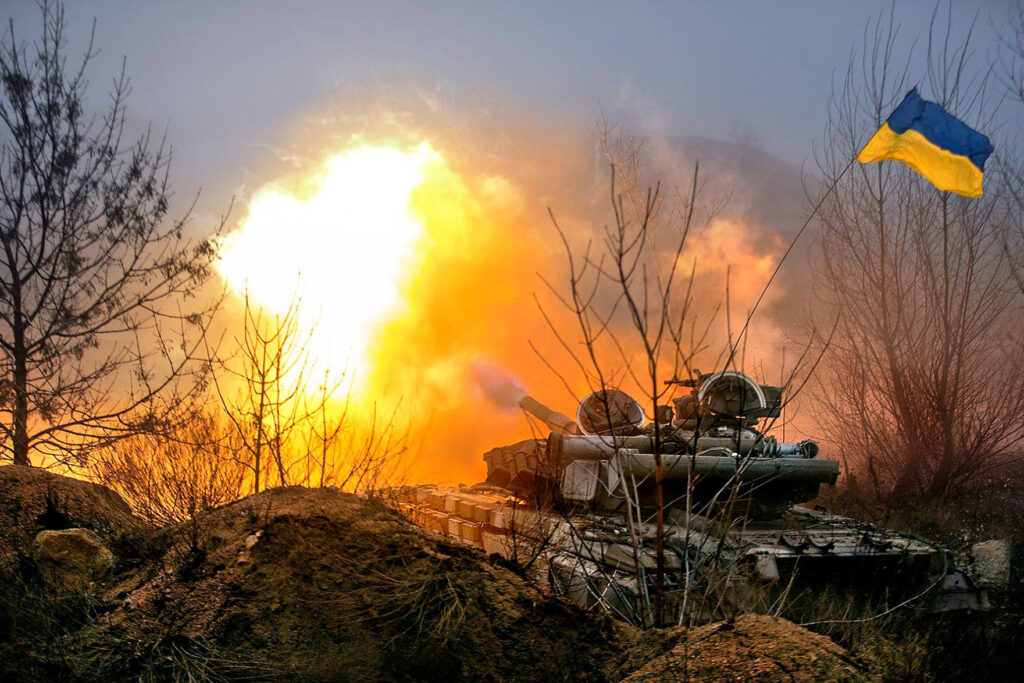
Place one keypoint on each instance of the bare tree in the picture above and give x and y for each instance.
(95, 335)
(920, 386)
(632, 297)
(289, 427)
(1011, 65)
(325, 430)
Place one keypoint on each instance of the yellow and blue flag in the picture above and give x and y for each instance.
(933, 142)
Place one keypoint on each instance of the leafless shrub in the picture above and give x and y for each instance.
(290, 428)
(170, 477)
(261, 390)
(370, 454)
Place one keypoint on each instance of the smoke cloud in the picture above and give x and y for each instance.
(468, 334)
(497, 385)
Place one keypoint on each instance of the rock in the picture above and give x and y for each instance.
(72, 559)
(991, 566)
(252, 539)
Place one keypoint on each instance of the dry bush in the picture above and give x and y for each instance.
(643, 320)
(169, 477)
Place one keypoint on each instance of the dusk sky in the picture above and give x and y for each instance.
(228, 79)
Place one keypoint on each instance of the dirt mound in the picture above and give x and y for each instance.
(751, 648)
(32, 500)
(322, 585)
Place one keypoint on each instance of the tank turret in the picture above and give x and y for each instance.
(710, 439)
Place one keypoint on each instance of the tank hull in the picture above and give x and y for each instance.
(601, 561)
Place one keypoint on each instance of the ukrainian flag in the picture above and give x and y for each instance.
(933, 142)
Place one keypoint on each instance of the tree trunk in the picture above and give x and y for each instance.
(20, 402)
(20, 381)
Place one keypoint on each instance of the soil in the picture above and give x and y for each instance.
(318, 585)
(751, 648)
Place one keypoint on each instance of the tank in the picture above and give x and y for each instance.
(578, 510)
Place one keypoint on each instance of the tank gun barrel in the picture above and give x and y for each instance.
(556, 421)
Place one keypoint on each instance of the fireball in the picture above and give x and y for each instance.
(338, 252)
